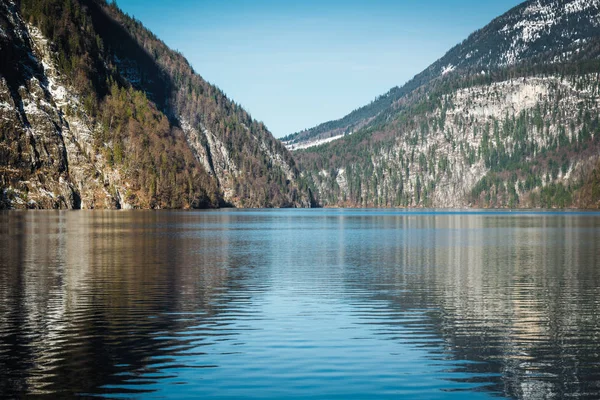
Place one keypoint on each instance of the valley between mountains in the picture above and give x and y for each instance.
(97, 112)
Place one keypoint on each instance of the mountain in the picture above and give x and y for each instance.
(507, 118)
(97, 112)
(531, 31)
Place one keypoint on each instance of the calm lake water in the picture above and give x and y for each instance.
(300, 304)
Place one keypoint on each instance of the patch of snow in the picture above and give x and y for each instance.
(576, 6)
(307, 145)
(30, 108)
(531, 30)
(6, 106)
(59, 92)
(536, 20)
(447, 69)
(537, 8)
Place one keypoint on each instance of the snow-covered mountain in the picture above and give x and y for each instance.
(534, 32)
(548, 31)
(509, 117)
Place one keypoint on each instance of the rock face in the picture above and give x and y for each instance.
(45, 158)
(75, 138)
(508, 118)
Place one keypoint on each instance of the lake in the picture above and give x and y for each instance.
(331, 304)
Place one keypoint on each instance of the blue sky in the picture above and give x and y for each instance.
(294, 64)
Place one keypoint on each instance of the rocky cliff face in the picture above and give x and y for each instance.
(109, 117)
(46, 159)
(525, 132)
(508, 118)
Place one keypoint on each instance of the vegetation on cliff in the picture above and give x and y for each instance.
(161, 136)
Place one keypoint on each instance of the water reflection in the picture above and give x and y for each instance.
(518, 296)
(299, 303)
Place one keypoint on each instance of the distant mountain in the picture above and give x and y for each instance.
(533, 32)
(97, 112)
(347, 125)
(509, 117)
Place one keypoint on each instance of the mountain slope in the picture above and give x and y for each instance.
(507, 118)
(535, 32)
(98, 113)
(346, 125)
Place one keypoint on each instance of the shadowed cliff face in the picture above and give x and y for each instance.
(33, 156)
(98, 113)
(134, 64)
(252, 168)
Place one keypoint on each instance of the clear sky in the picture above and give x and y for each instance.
(294, 64)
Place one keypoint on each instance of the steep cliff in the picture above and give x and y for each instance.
(96, 112)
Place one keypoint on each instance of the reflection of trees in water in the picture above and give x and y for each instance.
(89, 300)
(95, 299)
(522, 303)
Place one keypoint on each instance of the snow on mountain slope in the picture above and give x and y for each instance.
(507, 118)
(49, 149)
(538, 31)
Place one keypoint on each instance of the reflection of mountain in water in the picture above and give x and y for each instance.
(117, 303)
(91, 300)
(520, 303)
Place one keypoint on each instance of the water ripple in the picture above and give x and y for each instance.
(299, 304)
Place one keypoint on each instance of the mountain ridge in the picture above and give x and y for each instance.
(131, 124)
(97, 112)
(466, 58)
(433, 147)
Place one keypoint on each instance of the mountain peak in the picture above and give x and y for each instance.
(529, 30)
(507, 118)
(536, 31)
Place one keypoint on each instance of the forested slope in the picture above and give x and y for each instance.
(97, 112)
(508, 118)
